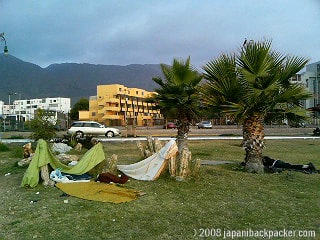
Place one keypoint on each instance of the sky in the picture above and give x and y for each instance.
(123, 32)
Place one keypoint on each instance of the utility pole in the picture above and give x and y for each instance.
(6, 51)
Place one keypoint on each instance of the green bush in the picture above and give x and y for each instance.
(42, 126)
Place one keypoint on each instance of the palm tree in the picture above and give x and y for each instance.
(176, 96)
(254, 86)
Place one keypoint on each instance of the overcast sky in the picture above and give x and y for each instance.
(122, 32)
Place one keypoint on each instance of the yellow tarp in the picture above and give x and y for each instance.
(99, 191)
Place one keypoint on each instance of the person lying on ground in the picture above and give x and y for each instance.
(274, 164)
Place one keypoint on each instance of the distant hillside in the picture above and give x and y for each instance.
(69, 79)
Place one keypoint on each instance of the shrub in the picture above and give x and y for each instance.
(42, 126)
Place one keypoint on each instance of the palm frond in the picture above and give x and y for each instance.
(177, 93)
(254, 82)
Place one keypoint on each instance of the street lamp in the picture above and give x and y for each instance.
(5, 50)
(10, 94)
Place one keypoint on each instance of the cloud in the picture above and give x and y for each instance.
(125, 32)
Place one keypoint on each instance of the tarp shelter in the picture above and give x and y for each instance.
(150, 168)
(43, 156)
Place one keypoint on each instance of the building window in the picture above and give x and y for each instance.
(93, 114)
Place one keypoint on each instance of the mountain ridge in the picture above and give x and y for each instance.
(73, 80)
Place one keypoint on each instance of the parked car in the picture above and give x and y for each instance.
(298, 124)
(81, 128)
(204, 124)
(170, 125)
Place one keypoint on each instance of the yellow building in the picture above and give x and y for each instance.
(118, 105)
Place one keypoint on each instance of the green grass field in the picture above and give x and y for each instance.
(220, 203)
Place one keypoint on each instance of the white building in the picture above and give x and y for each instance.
(311, 78)
(1, 107)
(27, 108)
(4, 109)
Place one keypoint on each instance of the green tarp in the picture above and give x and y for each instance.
(43, 156)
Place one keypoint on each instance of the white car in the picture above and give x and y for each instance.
(204, 124)
(81, 128)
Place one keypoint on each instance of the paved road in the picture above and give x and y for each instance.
(224, 130)
(218, 132)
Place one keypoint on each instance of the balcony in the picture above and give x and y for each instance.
(105, 100)
(109, 108)
(111, 100)
(112, 108)
(111, 117)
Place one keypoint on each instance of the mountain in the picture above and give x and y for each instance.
(69, 79)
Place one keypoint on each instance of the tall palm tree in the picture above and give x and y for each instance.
(176, 96)
(254, 85)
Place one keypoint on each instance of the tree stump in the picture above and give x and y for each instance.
(172, 166)
(157, 145)
(111, 165)
(44, 173)
(152, 146)
(195, 167)
(141, 149)
(183, 166)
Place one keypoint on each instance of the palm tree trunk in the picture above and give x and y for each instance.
(182, 136)
(253, 143)
(184, 155)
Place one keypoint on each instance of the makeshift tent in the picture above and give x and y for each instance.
(43, 156)
(151, 167)
(147, 169)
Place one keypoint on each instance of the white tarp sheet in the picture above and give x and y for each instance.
(150, 168)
